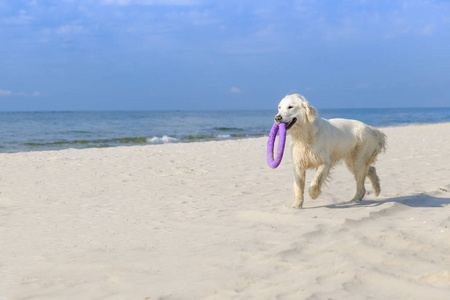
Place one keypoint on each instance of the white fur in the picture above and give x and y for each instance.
(319, 144)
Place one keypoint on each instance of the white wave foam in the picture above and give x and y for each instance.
(164, 139)
(223, 136)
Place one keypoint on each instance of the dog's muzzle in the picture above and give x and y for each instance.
(279, 119)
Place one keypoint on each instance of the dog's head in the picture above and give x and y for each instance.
(294, 109)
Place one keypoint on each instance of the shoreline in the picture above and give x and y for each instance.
(213, 221)
(198, 141)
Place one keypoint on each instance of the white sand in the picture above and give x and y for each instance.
(213, 221)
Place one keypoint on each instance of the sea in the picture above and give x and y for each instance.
(37, 131)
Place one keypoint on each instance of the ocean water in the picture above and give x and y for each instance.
(34, 131)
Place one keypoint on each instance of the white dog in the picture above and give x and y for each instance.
(320, 144)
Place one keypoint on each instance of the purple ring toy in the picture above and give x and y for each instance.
(274, 163)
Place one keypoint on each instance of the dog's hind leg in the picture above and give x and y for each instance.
(359, 170)
(372, 174)
(360, 177)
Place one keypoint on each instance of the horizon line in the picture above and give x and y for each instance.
(211, 110)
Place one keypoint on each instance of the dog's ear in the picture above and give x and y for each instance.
(310, 112)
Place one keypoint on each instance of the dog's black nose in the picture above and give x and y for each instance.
(278, 118)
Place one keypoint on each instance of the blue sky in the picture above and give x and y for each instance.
(230, 54)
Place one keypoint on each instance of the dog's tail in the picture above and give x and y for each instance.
(381, 138)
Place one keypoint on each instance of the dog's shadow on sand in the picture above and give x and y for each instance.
(415, 201)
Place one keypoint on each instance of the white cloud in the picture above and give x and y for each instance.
(151, 2)
(117, 2)
(6, 93)
(23, 18)
(235, 90)
(427, 30)
(68, 29)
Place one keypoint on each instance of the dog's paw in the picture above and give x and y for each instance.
(354, 202)
(297, 205)
(314, 191)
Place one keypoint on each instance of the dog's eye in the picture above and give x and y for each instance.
(290, 107)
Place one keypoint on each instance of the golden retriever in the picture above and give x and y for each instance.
(320, 144)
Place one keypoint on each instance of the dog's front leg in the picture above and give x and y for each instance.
(299, 186)
(321, 175)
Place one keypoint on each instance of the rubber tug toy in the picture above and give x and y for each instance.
(281, 127)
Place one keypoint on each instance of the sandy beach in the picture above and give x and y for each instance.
(212, 221)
